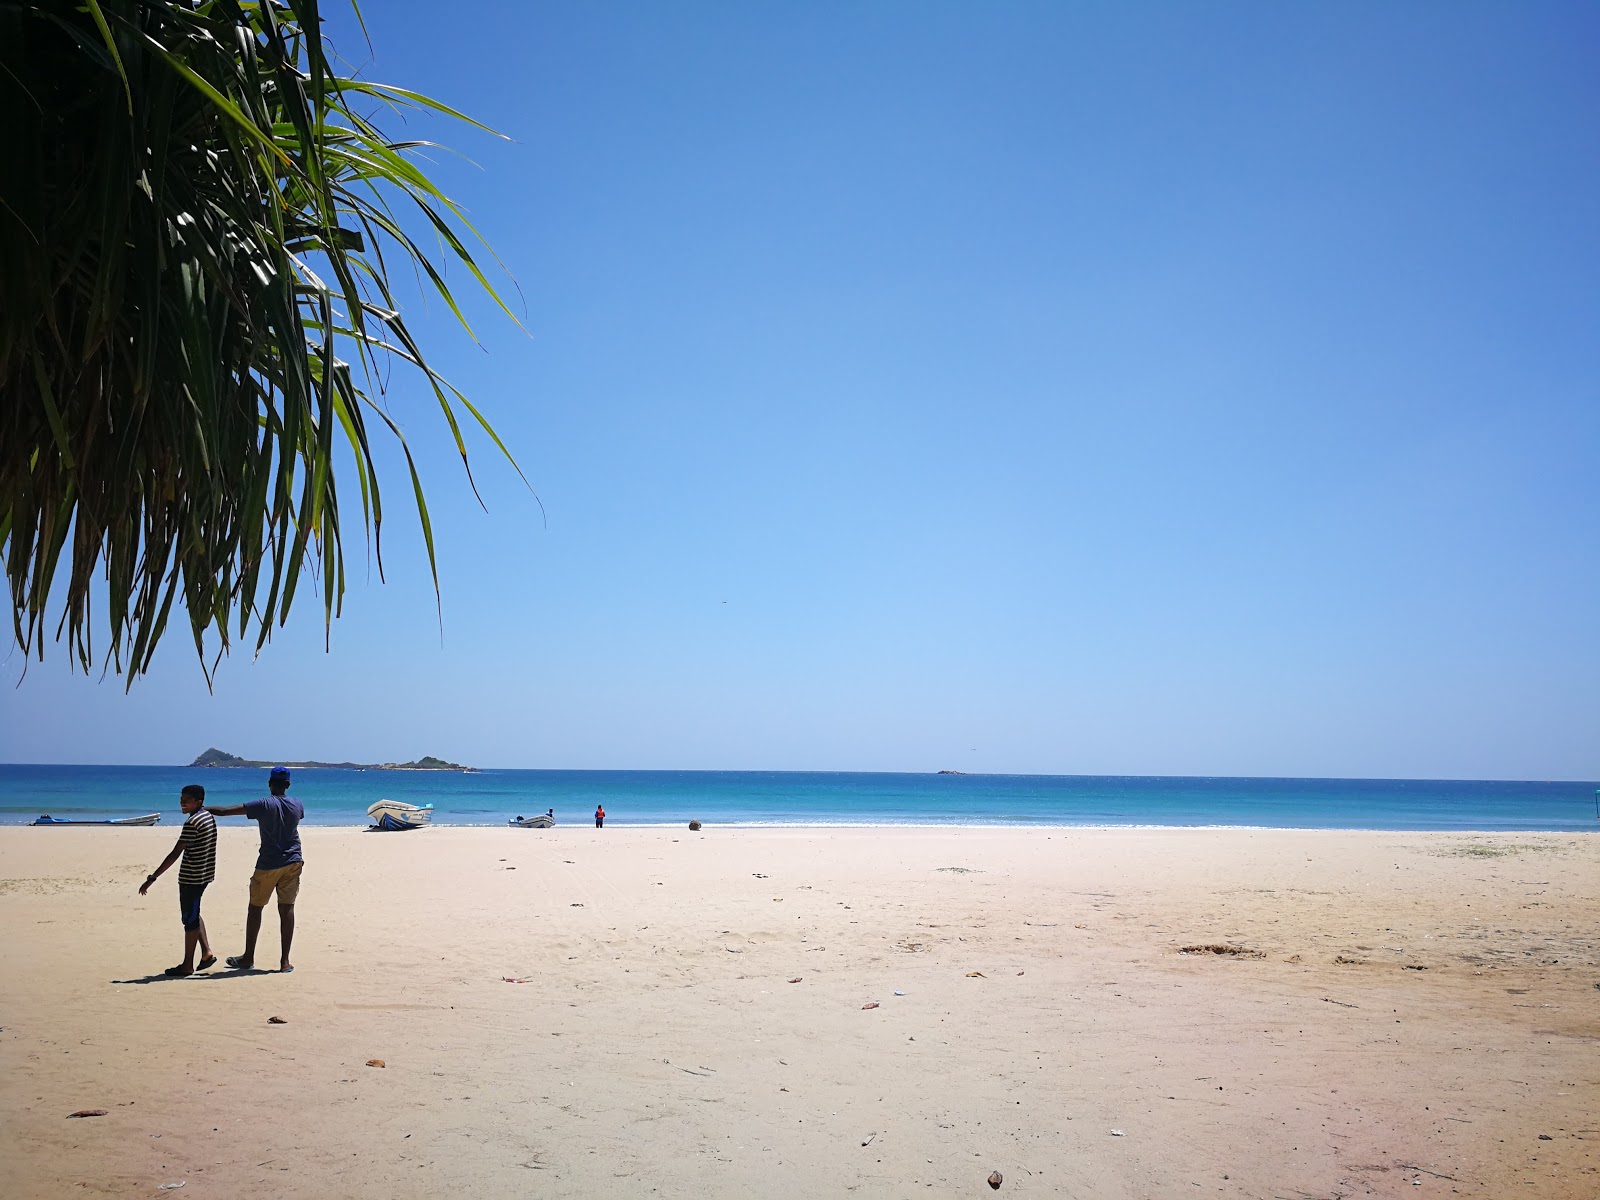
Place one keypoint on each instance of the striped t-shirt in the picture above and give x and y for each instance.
(199, 841)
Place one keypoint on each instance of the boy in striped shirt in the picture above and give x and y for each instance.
(198, 846)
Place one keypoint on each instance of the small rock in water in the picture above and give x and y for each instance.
(996, 1179)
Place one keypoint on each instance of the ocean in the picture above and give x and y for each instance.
(491, 797)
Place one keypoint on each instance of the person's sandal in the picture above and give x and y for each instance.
(177, 972)
(209, 960)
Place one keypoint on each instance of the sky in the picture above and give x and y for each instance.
(1156, 389)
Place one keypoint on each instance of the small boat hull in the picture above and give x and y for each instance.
(395, 815)
(543, 821)
(147, 819)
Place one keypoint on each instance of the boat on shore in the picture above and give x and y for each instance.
(394, 815)
(147, 819)
(542, 821)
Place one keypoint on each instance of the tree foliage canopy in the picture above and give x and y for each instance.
(199, 217)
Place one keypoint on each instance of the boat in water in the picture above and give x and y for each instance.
(147, 819)
(397, 814)
(542, 821)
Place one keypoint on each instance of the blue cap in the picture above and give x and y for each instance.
(278, 773)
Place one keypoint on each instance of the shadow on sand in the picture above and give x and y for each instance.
(225, 973)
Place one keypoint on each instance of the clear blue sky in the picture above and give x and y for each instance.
(1137, 388)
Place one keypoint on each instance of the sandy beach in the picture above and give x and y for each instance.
(1409, 1015)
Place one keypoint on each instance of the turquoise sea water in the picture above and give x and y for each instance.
(341, 797)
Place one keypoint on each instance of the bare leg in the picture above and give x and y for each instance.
(205, 941)
(286, 928)
(252, 930)
(191, 938)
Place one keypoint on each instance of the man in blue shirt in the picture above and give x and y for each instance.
(278, 866)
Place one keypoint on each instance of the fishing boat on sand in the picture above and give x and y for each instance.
(147, 819)
(395, 815)
(542, 821)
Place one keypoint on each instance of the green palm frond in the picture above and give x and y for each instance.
(197, 225)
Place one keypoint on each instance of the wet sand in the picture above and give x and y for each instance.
(1406, 1015)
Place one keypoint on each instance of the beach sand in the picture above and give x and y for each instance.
(1419, 1015)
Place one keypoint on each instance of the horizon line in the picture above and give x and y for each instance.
(838, 771)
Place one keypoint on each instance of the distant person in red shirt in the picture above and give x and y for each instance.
(599, 816)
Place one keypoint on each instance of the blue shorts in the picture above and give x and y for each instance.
(189, 903)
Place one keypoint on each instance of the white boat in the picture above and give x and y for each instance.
(147, 819)
(397, 814)
(542, 821)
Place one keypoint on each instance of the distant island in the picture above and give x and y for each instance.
(949, 772)
(221, 758)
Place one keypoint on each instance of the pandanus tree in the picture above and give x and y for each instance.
(201, 218)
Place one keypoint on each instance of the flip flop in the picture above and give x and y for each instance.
(237, 962)
(177, 971)
(285, 970)
(209, 960)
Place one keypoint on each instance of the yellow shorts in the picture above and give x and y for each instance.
(284, 880)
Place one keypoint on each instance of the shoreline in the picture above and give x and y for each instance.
(173, 821)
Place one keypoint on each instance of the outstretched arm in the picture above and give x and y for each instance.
(231, 810)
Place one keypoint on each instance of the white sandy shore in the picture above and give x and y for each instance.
(659, 1049)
